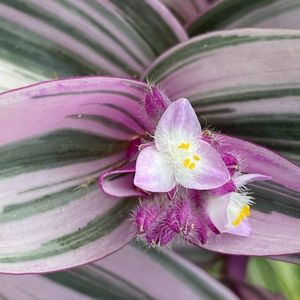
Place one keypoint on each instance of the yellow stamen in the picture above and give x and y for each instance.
(186, 162)
(245, 212)
(196, 157)
(184, 146)
(192, 166)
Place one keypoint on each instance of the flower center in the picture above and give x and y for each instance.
(245, 212)
(190, 161)
(184, 146)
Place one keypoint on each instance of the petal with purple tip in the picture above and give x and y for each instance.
(210, 171)
(119, 182)
(178, 120)
(274, 221)
(216, 210)
(223, 210)
(244, 229)
(153, 173)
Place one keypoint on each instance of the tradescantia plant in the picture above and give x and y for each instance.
(58, 137)
(187, 183)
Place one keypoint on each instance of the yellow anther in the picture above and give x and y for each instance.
(186, 162)
(192, 166)
(181, 146)
(237, 222)
(196, 157)
(246, 209)
(184, 146)
(245, 212)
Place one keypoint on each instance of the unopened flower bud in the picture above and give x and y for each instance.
(155, 104)
(160, 235)
(145, 216)
(231, 162)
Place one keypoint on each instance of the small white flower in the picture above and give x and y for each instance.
(179, 155)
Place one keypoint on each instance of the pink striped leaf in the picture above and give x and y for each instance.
(256, 100)
(284, 14)
(188, 11)
(131, 273)
(256, 159)
(50, 39)
(57, 137)
(290, 258)
(275, 218)
(243, 82)
(250, 292)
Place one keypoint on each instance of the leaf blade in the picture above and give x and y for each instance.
(131, 273)
(244, 14)
(53, 214)
(189, 11)
(275, 216)
(66, 38)
(232, 95)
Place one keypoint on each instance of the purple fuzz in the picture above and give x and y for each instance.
(159, 221)
(155, 104)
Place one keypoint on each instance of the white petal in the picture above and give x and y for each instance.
(210, 172)
(244, 229)
(179, 120)
(224, 209)
(216, 208)
(153, 172)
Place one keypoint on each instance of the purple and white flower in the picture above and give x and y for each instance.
(179, 155)
(189, 188)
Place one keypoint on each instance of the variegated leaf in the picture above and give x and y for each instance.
(131, 273)
(243, 82)
(231, 14)
(57, 137)
(41, 39)
(188, 11)
(275, 216)
(291, 258)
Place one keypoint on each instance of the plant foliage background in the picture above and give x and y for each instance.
(43, 40)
